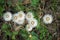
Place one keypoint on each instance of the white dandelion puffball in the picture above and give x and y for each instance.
(47, 19)
(15, 17)
(7, 16)
(33, 22)
(28, 27)
(29, 16)
(20, 22)
(21, 15)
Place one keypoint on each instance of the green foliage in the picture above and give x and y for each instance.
(33, 38)
(20, 7)
(53, 5)
(34, 34)
(34, 3)
(2, 2)
(1, 10)
(23, 33)
(14, 35)
(8, 33)
(5, 27)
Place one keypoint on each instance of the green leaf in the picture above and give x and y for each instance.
(4, 26)
(2, 1)
(8, 33)
(13, 37)
(50, 37)
(38, 25)
(23, 33)
(34, 3)
(1, 10)
(34, 38)
(34, 34)
(15, 32)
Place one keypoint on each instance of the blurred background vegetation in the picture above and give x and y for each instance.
(39, 8)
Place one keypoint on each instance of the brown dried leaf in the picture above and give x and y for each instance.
(17, 28)
(26, 2)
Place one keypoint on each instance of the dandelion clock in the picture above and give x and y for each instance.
(28, 27)
(29, 16)
(21, 15)
(7, 16)
(20, 21)
(15, 17)
(33, 22)
(47, 19)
